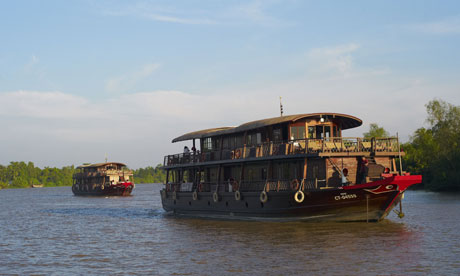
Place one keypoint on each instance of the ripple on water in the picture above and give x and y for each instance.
(49, 231)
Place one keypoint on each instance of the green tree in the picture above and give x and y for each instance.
(435, 152)
(149, 175)
(376, 131)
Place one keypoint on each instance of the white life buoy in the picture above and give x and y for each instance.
(263, 197)
(237, 195)
(215, 197)
(301, 198)
(195, 195)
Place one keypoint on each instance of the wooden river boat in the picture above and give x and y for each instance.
(103, 179)
(296, 167)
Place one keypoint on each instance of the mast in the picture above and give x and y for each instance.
(281, 108)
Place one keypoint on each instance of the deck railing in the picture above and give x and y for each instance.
(270, 185)
(292, 147)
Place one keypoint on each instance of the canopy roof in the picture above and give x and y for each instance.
(97, 165)
(346, 121)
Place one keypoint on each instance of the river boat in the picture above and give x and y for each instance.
(296, 167)
(103, 179)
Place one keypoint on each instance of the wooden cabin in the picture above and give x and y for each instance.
(278, 153)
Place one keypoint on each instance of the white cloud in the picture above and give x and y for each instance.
(56, 129)
(253, 12)
(34, 104)
(129, 80)
(338, 58)
(449, 25)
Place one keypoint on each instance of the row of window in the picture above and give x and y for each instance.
(256, 138)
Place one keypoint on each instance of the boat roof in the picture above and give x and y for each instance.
(97, 165)
(347, 121)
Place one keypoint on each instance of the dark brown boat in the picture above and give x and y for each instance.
(103, 179)
(296, 167)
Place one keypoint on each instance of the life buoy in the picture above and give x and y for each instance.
(295, 184)
(237, 195)
(297, 198)
(215, 197)
(195, 195)
(102, 187)
(235, 185)
(237, 153)
(263, 197)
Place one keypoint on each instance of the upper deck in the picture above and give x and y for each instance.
(102, 169)
(316, 134)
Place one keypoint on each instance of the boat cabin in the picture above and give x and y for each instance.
(101, 173)
(274, 153)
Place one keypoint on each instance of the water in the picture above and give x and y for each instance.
(48, 231)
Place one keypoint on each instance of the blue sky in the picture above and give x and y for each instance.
(81, 79)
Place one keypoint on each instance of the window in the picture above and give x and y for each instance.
(319, 132)
(277, 136)
(327, 132)
(297, 132)
(259, 138)
(311, 132)
(207, 144)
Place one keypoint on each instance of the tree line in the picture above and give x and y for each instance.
(433, 152)
(24, 175)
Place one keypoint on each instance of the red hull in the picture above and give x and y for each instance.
(123, 189)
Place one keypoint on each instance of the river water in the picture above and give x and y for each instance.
(48, 231)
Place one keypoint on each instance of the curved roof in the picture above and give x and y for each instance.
(96, 165)
(347, 121)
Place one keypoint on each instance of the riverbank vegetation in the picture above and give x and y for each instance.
(25, 175)
(434, 152)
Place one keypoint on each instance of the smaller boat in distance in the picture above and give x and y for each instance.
(103, 179)
(37, 185)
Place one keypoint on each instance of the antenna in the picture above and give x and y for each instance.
(106, 158)
(281, 108)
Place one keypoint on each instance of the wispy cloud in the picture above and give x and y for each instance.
(129, 80)
(160, 13)
(449, 25)
(254, 12)
(338, 58)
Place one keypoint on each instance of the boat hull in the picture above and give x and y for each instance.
(113, 190)
(366, 202)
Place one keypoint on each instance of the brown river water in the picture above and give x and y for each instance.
(48, 231)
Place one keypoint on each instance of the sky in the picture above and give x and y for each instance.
(84, 80)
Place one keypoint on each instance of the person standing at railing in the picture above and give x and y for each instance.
(344, 177)
(363, 170)
(186, 150)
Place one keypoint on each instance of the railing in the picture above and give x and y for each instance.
(301, 146)
(249, 186)
(103, 173)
